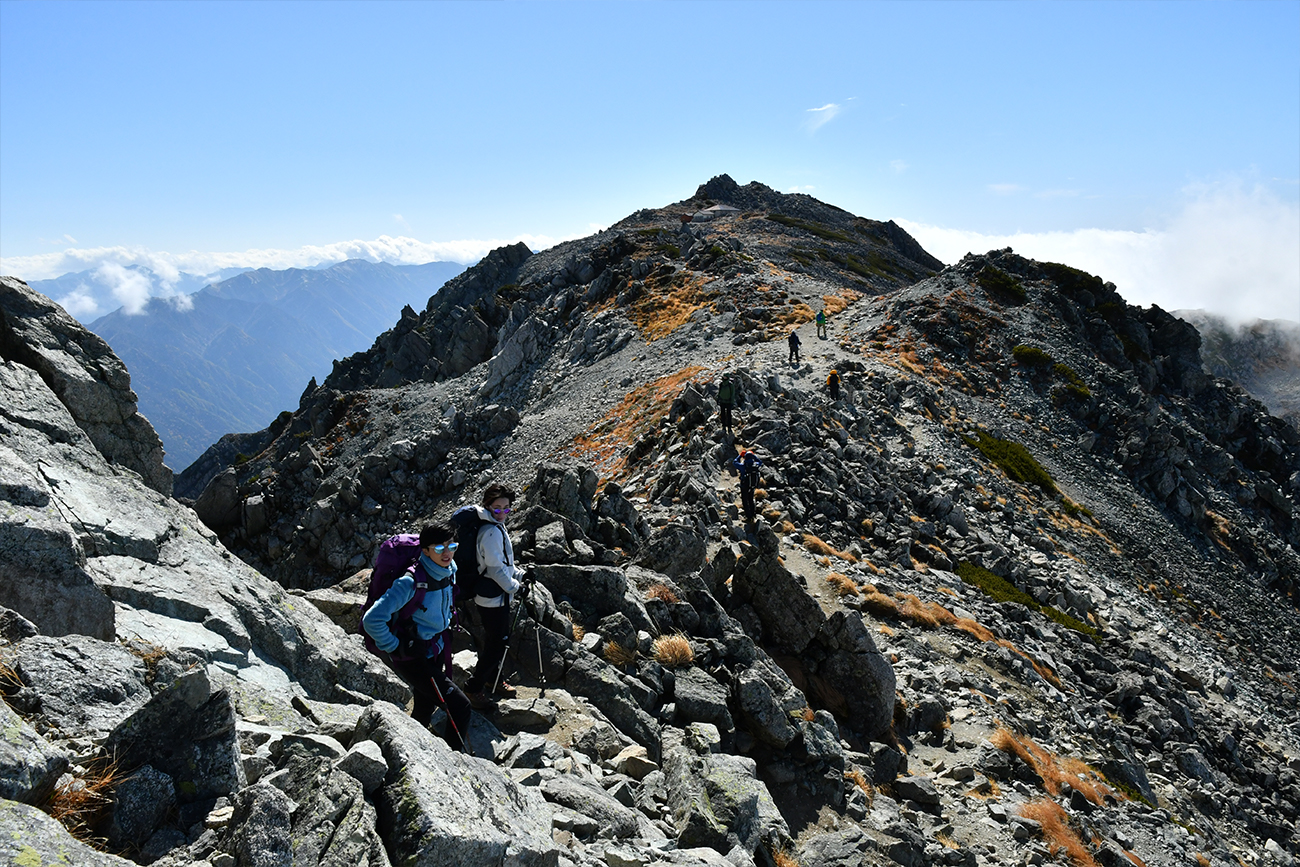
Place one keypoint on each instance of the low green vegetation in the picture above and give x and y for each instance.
(999, 282)
(824, 232)
(1073, 509)
(671, 249)
(1001, 590)
(1014, 460)
(1031, 356)
(1074, 384)
(1071, 280)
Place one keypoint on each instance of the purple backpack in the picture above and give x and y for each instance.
(396, 555)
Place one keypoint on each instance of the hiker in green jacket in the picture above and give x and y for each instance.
(726, 400)
(821, 324)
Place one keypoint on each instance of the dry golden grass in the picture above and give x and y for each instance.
(879, 604)
(808, 714)
(80, 802)
(1055, 771)
(817, 546)
(786, 527)
(617, 654)
(965, 624)
(605, 444)
(782, 858)
(1057, 833)
(579, 632)
(663, 593)
(843, 584)
(836, 303)
(668, 304)
(857, 778)
(1201, 859)
(947, 591)
(673, 651)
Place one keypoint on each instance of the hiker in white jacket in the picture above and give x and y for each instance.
(501, 581)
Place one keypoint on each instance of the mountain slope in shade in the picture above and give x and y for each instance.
(244, 348)
(1262, 356)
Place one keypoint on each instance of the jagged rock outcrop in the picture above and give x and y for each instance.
(87, 378)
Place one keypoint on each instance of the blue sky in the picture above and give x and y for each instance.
(1157, 144)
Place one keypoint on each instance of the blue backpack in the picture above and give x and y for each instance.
(397, 556)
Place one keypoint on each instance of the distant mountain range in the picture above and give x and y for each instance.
(243, 349)
(88, 295)
(1262, 356)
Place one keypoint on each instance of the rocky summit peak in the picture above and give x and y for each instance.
(1021, 578)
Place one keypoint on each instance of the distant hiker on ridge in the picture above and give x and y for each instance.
(409, 624)
(498, 581)
(747, 464)
(726, 400)
(821, 324)
(793, 340)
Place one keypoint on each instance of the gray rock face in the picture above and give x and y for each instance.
(790, 616)
(589, 799)
(718, 801)
(856, 670)
(140, 803)
(89, 380)
(219, 505)
(440, 807)
(79, 686)
(700, 698)
(29, 766)
(187, 731)
(600, 683)
(29, 836)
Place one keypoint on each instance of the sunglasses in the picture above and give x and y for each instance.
(504, 511)
(450, 546)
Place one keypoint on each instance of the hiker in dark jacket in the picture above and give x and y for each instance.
(793, 340)
(501, 581)
(726, 400)
(833, 385)
(747, 464)
(415, 651)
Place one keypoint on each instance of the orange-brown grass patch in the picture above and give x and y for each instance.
(617, 654)
(971, 627)
(843, 584)
(1057, 833)
(579, 632)
(833, 304)
(1043, 671)
(668, 304)
(80, 802)
(1055, 771)
(673, 651)
(817, 546)
(1220, 528)
(885, 630)
(807, 714)
(663, 593)
(786, 527)
(857, 778)
(782, 858)
(605, 444)
(1201, 859)
(879, 604)
(947, 591)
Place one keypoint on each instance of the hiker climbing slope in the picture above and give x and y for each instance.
(821, 324)
(833, 385)
(747, 464)
(409, 624)
(793, 340)
(726, 400)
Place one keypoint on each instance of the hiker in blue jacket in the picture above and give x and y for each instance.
(747, 464)
(413, 647)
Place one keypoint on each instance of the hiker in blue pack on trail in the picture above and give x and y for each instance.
(499, 580)
(821, 324)
(409, 624)
(747, 465)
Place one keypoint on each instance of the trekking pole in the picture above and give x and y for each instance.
(464, 742)
(506, 651)
(541, 672)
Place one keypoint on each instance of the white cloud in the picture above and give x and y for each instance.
(1004, 189)
(131, 288)
(898, 166)
(822, 116)
(806, 188)
(1229, 249)
(167, 266)
(80, 304)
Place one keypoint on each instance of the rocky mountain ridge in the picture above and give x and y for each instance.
(1025, 590)
(1263, 356)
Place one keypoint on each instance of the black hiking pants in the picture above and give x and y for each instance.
(427, 678)
(496, 635)
(725, 411)
(747, 484)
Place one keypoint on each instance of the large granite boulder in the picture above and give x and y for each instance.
(89, 380)
(29, 836)
(441, 807)
(29, 766)
(77, 686)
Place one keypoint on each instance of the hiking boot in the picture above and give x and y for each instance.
(505, 690)
(480, 701)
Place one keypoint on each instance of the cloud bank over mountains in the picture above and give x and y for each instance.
(1229, 249)
(168, 266)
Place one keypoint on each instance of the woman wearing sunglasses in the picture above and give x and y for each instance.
(499, 582)
(410, 622)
